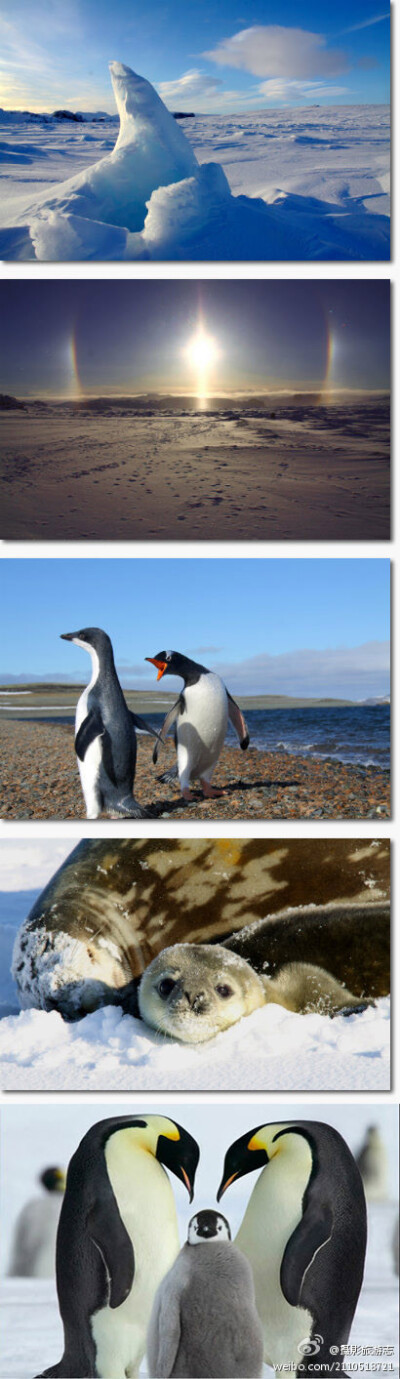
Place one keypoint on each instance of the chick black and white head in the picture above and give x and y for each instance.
(91, 638)
(208, 1225)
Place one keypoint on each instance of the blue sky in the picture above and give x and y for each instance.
(62, 339)
(288, 626)
(200, 55)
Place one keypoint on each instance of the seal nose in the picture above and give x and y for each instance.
(198, 1002)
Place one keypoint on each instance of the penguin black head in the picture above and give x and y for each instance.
(257, 1148)
(89, 637)
(53, 1179)
(208, 1225)
(245, 1155)
(173, 663)
(178, 1151)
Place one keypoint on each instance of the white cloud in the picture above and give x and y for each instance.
(342, 672)
(271, 50)
(279, 91)
(199, 92)
(366, 23)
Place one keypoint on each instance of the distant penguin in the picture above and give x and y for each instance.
(118, 1236)
(105, 737)
(200, 719)
(304, 1233)
(33, 1252)
(373, 1165)
(204, 1320)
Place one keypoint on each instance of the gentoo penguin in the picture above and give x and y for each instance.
(33, 1253)
(191, 991)
(204, 1320)
(373, 1165)
(304, 1234)
(200, 720)
(105, 737)
(118, 1236)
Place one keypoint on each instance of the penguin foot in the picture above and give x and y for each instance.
(210, 792)
(188, 795)
(129, 809)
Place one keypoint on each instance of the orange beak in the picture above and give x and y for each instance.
(160, 665)
(225, 1185)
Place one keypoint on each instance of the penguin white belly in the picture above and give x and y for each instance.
(272, 1216)
(91, 768)
(201, 728)
(144, 1196)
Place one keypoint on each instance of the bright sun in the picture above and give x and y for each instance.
(202, 351)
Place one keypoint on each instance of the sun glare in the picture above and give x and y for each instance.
(201, 354)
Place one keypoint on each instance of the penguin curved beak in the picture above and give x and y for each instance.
(181, 1156)
(67, 636)
(161, 666)
(225, 1184)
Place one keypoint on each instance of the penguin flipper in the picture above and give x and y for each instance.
(313, 1231)
(169, 721)
(144, 725)
(111, 1239)
(238, 722)
(91, 727)
(166, 1332)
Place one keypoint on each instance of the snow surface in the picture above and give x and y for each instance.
(282, 184)
(270, 1049)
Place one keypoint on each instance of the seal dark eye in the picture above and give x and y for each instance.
(224, 992)
(165, 987)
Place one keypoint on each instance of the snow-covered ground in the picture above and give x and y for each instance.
(272, 1049)
(31, 1329)
(310, 183)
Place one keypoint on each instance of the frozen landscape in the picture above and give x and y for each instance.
(272, 1049)
(302, 467)
(31, 1329)
(268, 185)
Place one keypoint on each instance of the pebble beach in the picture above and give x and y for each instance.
(40, 780)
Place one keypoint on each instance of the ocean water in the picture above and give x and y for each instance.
(357, 734)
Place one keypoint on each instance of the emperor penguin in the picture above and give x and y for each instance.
(199, 719)
(118, 1236)
(33, 1252)
(373, 1165)
(105, 736)
(304, 1233)
(204, 1320)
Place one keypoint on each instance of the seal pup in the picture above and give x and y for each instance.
(105, 736)
(204, 1320)
(118, 1236)
(304, 1233)
(33, 1251)
(199, 719)
(192, 991)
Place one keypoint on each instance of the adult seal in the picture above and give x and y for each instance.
(114, 904)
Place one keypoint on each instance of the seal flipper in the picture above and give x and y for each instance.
(313, 1231)
(111, 1239)
(91, 728)
(238, 722)
(144, 725)
(169, 720)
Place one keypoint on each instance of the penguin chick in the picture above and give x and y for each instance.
(304, 1233)
(192, 991)
(118, 1236)
(204, 1320)
(199, 720)
(105, 736)
(33, 1253)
